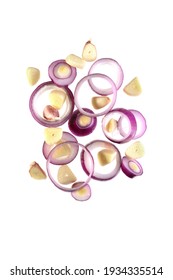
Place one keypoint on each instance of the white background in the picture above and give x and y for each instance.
(126, 222)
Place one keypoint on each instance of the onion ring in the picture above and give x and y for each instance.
(131, 167)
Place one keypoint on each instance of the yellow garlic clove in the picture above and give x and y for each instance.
(135, 151)
(65, 175)
(75, 61)
(36, 171)
(57, 98)
(105, 156)
(111, 125)
(100, 102)
(33, 75)
(133, 88)
(52, 135)
(89, 52)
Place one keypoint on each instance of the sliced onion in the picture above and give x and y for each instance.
(63, 79)
(39, 99)
(101, 66)
(90, 163)
(131, 167)
(66, 136)
(81, 130)
(83, 193)
(81, 95)
(128, 122)
(108, 171)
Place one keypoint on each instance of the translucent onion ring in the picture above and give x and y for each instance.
(59, 80)
(89, 173)
(115, 168)
(117, 77)
(66, 136)
(41, 88)
(127, 170)
(89, 78)
(132, 125)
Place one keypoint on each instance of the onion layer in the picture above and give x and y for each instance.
(90, 163)
(131, 167)
(128, 121)
(108, 171)
(61, 73)
(78, 97)
(79, 129)
(39, 98)
(82, 194)
(100, 66)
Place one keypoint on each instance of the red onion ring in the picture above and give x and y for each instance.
(114, 136)
(82, 194)
(66, 136)
(90, 163)
(127, 170)
(59, 80)
(117, 75)
(87, 78)
(108, 172)
(41, 89)
(75, 126)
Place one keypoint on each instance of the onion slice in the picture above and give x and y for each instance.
(79, 94)
(101, 66)
(108, 171)
(82, 125)
(39, 99)
(89, 162)
(61, 73)
(66, 136)
(131, 167)
(82, 194)
(128, 122)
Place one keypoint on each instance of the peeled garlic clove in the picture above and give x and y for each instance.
(36, 171)
(89, 52)
(62, 151)
(33, 75)
(57, 98)
(133, 88)
(135, 151)
(111, 125)
(100, 102)
(84, 120)
(105, 156)
(50, 113)
(75, 61)
(52, 135)
(65, 175)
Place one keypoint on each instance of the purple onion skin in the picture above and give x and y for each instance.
(78, 130)
(127, 171)
(43, 121)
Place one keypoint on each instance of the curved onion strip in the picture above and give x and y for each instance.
(44, 88)
(116, 136)
(57, 79)
(76, 128)
(90, 163)
(105, 172)
(66, 136)
(131, 167)
(117, 74)
(82, 194)
(90, 77)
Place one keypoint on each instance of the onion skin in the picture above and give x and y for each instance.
(133, 124)
(78, 130)
(61, 82)
(127, 170)
(141, 122)
(42, 120)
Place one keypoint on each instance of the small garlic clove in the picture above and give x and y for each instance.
(33, 75)
(100, 102)
(75, 61)
(84, 120)
(111, 125)
(65, 175)
(133, 88)
(62, 151)
(50, 113)
(89, 52)
(135, 151)
(52, 135)
(57, 98)
(36, 172)
(105, 156)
